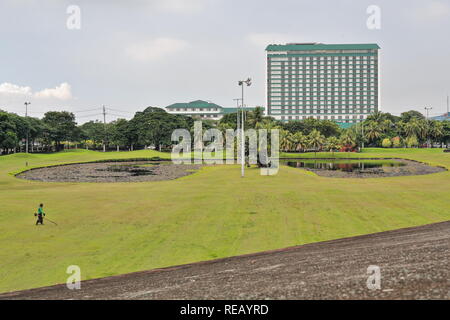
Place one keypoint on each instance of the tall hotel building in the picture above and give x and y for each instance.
(338, 82)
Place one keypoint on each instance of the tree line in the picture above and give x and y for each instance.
(153, 128)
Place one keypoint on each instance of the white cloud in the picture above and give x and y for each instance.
(12, 89)
(155, 49)
(158, 6)
(264, 39)
(432, 11)
(61, 92)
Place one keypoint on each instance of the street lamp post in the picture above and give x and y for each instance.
(248, 82)
(26, 115)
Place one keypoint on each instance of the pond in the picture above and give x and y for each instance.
(362, 168)
(133, 171)
(342, 165)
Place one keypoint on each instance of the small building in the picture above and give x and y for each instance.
(201, 109)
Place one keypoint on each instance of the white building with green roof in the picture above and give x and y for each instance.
(338, 82)
(201, 109)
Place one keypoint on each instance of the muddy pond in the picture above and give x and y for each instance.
(362, 168)
(135, 171)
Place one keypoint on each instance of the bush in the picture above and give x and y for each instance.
(386, 143)
(348, 148)
(411, 142)
(396, 142)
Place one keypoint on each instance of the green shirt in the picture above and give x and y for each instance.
(40, 210)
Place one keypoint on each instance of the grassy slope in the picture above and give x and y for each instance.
(110, 229)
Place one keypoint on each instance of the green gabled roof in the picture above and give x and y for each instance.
(176, 105)
(198, 104)
(320, 46)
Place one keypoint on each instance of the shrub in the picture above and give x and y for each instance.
(396, 142)
(386, 143)
(411, 142)
(348, 148)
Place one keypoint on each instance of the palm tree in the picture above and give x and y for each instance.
(268, 124)
(415, 128)
(300, 141)
(386, 124)
(373, 131)
(316, 140)
(292, 144)
(285, 141)
(435, 130)
(348, 139)
(255, 117)
(377, 116)
(332, 144)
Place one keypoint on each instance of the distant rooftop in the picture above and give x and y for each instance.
(234, 110)
(302, 43)
(444, 117)
(198, 104)
(308, 46)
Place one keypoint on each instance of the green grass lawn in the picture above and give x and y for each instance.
(114, 228)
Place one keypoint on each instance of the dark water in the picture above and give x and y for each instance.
(133, 170)
(341, 165)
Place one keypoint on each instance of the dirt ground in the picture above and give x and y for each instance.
(414, 264)
(136, 171)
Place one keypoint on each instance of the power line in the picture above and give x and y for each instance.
(89, 115)
(121, 111)
(81, 111)
(116, 115)
(104, 127)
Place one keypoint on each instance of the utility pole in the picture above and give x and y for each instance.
(26, 116)
(448, 108)
(428, 110)
(104, 128)
(248, 82)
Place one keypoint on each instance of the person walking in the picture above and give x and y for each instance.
(40, 214)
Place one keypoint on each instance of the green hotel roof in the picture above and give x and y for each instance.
(320, 46)
(234, 110)
(198, 104)
(344, 125)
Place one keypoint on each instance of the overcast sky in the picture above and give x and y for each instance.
(132, 54)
